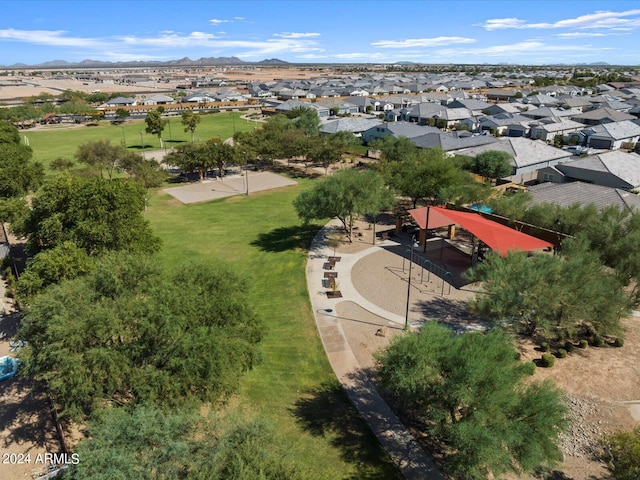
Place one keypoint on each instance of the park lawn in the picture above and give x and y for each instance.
(60, 141)
(262, 239)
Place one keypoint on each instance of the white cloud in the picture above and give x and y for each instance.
(523, 52)
(217, 21)
(56, 38)
(580, 35)
(171, 39)
(296, 35)
(311, 56)
(422, 42)
(599, 19)
(365, 56)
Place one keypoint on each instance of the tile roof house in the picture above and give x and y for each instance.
(600, 116)
(397, 129)
(546, 112)
(158, 100)
(567, 194)
(513, 125)
(355, 125)
(547, 128)
(528, 156)
(612, 136)
(289, 105)
(614, 169)
(452, 141)
(121, 102)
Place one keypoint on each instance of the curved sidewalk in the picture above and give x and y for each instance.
(412, 461)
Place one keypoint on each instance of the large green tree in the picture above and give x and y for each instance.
(190, 121)
(554, 296)
(345, 194)
(394, 149)
(469, 392)
(19, 175)
(130, 333)
(492, 164)
(147, 443)
(95, 213)
(101, 156)
(63, 262)
(155, 124)
(428, 174)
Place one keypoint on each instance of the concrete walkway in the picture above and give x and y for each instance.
(392, 434)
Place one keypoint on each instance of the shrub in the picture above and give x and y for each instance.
(569, 346)
(529, 368)
(562, 353)
(623, 453)
(583, 344)
(544, 346)
(618, 342)
(548, 360)
(598, 341)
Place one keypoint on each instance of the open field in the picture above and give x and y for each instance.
(262, 239)
(61, 141)
(31, 86)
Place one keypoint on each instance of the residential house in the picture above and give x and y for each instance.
(121, 102)
(397, 129)
(528, 156)
(199, 97)
(477, 107)
(601, 116)
(289, 105)
(341, 107)
(614, 169)
(452, 141)
(547, 128)
(567, 194)
(541, 101)
(499, 95)
(505, 108)
(548, 112)
(513, 125)
(158, 100)
(355, 125)
(612, 136)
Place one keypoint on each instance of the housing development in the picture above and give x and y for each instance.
(221, 269)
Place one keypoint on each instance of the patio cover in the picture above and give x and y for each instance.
(497, 236)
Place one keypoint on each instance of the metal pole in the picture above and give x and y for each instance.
(246, 172)
(406, 316)
(426, 230)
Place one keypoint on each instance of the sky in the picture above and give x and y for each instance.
(305, 31)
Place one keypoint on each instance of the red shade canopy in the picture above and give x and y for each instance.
(497, 236)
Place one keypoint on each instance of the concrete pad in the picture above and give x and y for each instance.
(206, 190)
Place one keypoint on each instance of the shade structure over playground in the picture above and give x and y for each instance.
(496, 236)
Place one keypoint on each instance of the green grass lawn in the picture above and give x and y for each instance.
(261, 237)
(62, 141)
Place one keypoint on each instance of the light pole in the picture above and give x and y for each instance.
(406, 316)
(246, 171)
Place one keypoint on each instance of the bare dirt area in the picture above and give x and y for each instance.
(601, 384)
(27, 431)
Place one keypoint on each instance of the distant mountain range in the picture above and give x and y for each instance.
(183, 62)
(206, 62)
